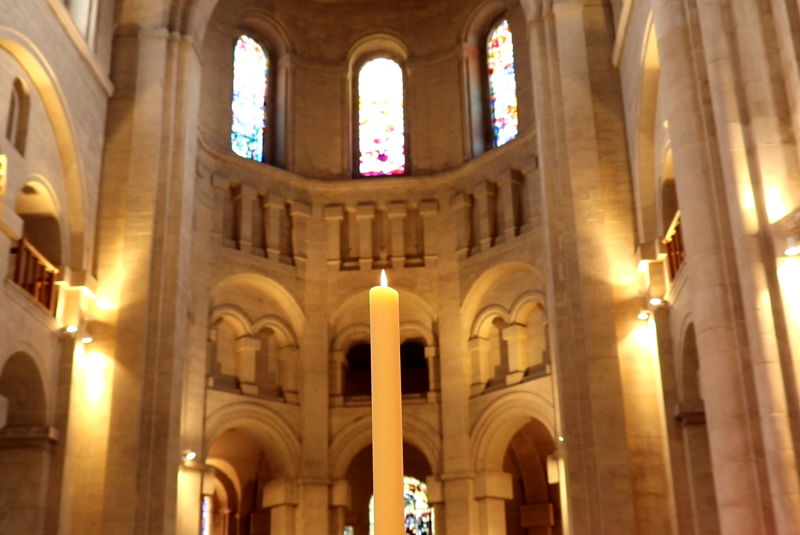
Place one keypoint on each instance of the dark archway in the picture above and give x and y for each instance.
(413, 370)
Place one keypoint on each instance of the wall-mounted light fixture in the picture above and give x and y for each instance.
(644, 314)
(87, 340)
(792, 247)
(656, 301)
(188, 455)
(72, 329)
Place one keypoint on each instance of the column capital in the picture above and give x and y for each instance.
(279, 492)
(397, 210)
(334, 212)
(494, 484)
(365, 211)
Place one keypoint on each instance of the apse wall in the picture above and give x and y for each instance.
(315, 48)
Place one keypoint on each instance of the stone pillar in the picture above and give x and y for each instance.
(246, 350)
(274, 206)
(281, 498)
(365, 215)
(479, 355)
(428, 210)
(484, 218)
(334, 215)
(339, 504)
(516, 336)
(338, 364)
(244, 200)
(301, 213)
(436, 500)
(432, 357)
(287, 372)
(3, 412)
(492, 489)
(397, 220)
(507, 206)
(532, 207)
(460, 205)
(727, 410)
(24, 453)
(222, 191)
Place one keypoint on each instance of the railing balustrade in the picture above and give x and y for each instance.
(676, 254)
(35, 274)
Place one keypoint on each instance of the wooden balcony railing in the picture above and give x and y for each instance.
(35, 274)
(676, 254)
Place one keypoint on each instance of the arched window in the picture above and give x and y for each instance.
(358, 377)
(502, 84)
(419, 514)
(413, 368)
(250, 97)
(381, 121)
(19, 110)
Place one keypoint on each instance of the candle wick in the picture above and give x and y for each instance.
(384, 282)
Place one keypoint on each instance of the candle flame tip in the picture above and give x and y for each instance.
(384, 281)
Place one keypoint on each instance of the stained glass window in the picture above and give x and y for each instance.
(348, 530)
(250, 75)
(205, 516)
(381, 122)
(502, 84)
(419, 515)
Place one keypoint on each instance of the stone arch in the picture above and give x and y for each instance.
(290, 307)
(229, 471)
(18, 115)
(645, 188)
(501, 420)
(351, 336)
(483, 322)
(284, 331)
(235, 316)
(471, 303)
(25, 441)
(277, 439)
(525, 302)
(46, 84)
(357, 435)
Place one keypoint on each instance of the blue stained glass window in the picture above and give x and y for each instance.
(419, 515)
(502, 84)
(381, 122)
(250, 76)
(206, 518)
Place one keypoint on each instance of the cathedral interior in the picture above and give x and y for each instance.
(590, 210)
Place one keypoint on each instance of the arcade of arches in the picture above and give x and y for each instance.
(590, 210)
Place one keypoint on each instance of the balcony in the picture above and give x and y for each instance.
(35, 274)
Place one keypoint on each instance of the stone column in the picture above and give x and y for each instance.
(460, 205)
(274, 206)
(532, 207)
(338, 364)
(24, 453)
(244, 200)
(289, 356)
(3, 412)
(492, 489)
(507, 206)
(365, 215)
(340, 503)
(246, 350)
(301, 213)
(281, 498)
(397, 220)
(436, 500)
(727, 411)
(484, 218)
(428, 210)
(222, 192)
(516, 336)
(479, 355)
(432, 357)
(334, 215)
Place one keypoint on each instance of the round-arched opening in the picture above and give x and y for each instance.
(241, 470)
(414, 375)
(413, 368)
(21, 385)
(536, 503)
(359, 476)
(358, 380)
(41, 227)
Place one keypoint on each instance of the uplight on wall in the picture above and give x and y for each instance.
(792, 247)
(656, 301)
(644, 314)
(189, 455)
(72, 329)
(87, 340)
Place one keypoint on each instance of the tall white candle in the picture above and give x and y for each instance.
(387, 410)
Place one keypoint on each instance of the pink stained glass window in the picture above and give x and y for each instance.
(206, 516)
(502, 84)
(381, 121)
(419, 514)
(250, 75)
